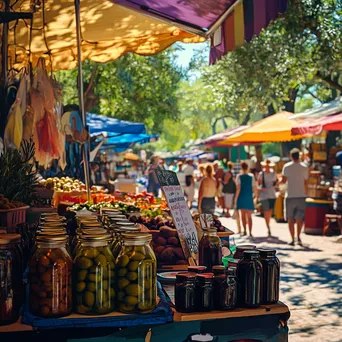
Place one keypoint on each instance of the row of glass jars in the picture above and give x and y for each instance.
(99, 283)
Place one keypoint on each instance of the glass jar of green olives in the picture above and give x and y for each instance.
(117, 236)
(94, 275)
(136, 274)
(50, 278)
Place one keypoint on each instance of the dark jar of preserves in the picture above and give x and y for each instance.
(270, 276)
(197, 269)
(219, 277)
(204, 296)
(241, 248)
(50, 278)
(210, 249)
(185, 292)
(249, 270)
(11, 285)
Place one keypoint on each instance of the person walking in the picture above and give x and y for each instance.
(153, 184)
(245, 188)
(228, 190)
(267, 181)
(296, 175)
(207, 192)
(219, 174)
(181, 175)
(189, 182)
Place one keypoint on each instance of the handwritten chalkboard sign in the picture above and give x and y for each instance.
(180, 212)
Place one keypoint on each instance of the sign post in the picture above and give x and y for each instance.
(180, 212)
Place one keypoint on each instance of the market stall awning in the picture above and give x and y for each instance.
(108, 32)
(101, 124)
(216, 138)
(316, 126)
(275, 128)
(129, 140)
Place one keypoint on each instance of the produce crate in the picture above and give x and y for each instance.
(10, 218)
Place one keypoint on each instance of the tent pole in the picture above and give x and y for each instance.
(81, 96)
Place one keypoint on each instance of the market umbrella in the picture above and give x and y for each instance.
(216, 138)
(316, 126)
(275, 128)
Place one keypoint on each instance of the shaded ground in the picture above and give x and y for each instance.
(311, 280)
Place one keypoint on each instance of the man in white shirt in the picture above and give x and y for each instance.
(190, 182)
(296, 175)
(181, 175)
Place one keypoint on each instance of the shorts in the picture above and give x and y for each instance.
(295, 208)
(190, 193)
(228, 200)
(268, 204)
(208, 205)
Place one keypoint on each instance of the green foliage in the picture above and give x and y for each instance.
(17, 181)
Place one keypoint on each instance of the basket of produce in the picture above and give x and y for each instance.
(12, 213)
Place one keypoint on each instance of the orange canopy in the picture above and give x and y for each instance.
(275, 128)
(108, 31)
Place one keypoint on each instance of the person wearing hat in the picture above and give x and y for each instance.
(296, 175)
(267, 180)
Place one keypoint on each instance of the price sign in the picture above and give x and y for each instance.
(179, 210)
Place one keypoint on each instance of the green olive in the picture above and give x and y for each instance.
(107, 253)
(90, 253)
(130, 300)
(138, 256)
(93, 269)
(91, 287)
(82, 309)
(122, 283)
(106, 308)
(144, 306)
(104, 272)
(123, 261)
(121, 295)
(134, 290)
(89, 299)
(105, 284)
(80, 286)
(81, 275)
(139, 249)
(93, 277)
(126, 308)
(112, 293)
(112, 265)
(122, 272)
(83, 263)
(101, 259)
(133, 266)
(131, 276)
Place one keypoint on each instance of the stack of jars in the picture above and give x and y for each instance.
(198, 291)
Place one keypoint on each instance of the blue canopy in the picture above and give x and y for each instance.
(103, 124)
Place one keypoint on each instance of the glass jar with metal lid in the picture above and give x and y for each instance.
(210, 249)
(117, 236)
(51, 278)
(11, 286)
(136, 274)
(94, 276)
(185, 291)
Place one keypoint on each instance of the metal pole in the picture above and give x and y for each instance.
(4, 49)
(80, 96)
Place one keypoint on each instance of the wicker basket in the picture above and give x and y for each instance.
(10, 218)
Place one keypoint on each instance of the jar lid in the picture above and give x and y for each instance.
(197, 269)
(51, 239)
(251, 253)
(182, 276)
(51, 233)
(95, 237)
(205, 276)
(117, 217)
(94, 231)
(267, 252)
(218, 269)
(54, 230)
(137, 237)
(9, 238)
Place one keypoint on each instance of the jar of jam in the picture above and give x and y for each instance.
(185, 292)
(197, 269)
(228, 291)
(11, 285)
(270, 276)
(94, 276)
(204, 296)
(249, 271)
(219, 277)
(50, 278)
(136, 274)
(240, 249)
(210, 249)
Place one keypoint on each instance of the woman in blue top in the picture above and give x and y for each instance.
(245, 189)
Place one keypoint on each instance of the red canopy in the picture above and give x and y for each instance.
(316, 126)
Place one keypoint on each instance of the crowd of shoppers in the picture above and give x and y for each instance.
(242, 192)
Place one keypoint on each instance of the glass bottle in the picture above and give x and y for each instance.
(270, 276)
(210, 249)
(219, 277)
(50, 278)
(249, 271)
(11, 285)
(185, 292)
(227, 291)
(136, 271)
(240, 249)
(204, 296)
(93, 276)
